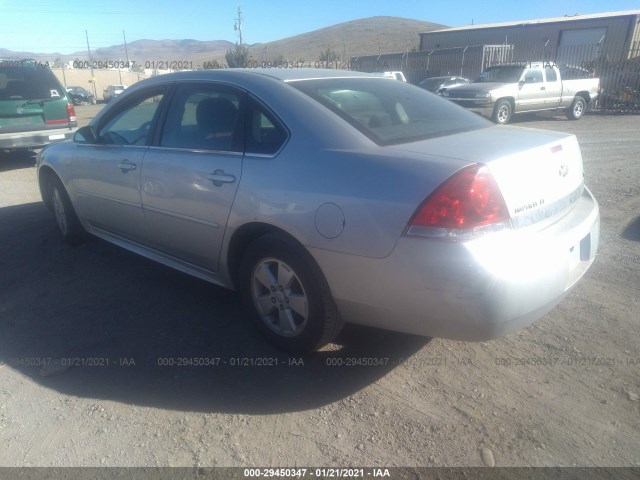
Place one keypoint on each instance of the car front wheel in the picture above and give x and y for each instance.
(287, 295)
(66, 218)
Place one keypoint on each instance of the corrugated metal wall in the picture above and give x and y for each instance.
(543, 37)
(635, 40)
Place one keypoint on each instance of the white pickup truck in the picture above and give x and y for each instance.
(112, 91)
(504, 90)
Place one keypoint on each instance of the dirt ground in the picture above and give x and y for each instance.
(563, 392)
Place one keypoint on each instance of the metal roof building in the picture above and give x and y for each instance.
(616, 34)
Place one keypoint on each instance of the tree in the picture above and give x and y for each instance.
(328, 55)
(238, 57)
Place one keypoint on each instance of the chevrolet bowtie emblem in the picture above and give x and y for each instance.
(564, 170)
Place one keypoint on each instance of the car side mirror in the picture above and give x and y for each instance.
(85, 134)
(521, 83)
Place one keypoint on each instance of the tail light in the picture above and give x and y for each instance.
(71, 112)
(464, 206)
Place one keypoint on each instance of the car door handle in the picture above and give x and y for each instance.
(219, 177)
(126, 166)
(542, 88)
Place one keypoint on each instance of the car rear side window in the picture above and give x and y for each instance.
(204, 117)
(390, 112)
(264, 133)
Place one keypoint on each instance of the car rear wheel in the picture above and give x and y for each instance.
(577, 109)
(287, 295)
(502, 112)
(68, 224)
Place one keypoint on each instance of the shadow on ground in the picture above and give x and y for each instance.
(17, 160)
(632, 231)
(97, 303)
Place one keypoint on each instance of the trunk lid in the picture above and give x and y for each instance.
(19, 113)
(539, 173)
(30, 97)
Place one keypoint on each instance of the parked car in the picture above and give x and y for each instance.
(396, 75)
(439, 84)
(34, 108)
(328, 196)
(504, 90)
(81, 96)
(112, 91)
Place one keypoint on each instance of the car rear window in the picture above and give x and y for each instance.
(501, 74)
(390, 112)
(431, 84)
(29, 83)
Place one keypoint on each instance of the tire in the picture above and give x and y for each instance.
(287, 295)
(502, 112)
(66, 219)
(577, 108)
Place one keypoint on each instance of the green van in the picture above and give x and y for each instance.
(34, 108)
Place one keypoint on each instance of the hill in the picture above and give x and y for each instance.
(142, 51)
(366, 36)
(358, 37)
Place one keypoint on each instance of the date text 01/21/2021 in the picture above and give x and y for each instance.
(328, 472)
(229, 362)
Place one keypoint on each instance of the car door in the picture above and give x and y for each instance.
(531, 90)
(553, 87)
(106, 173)
(191, 173)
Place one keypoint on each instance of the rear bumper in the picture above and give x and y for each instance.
(34, 139)
(471, 291)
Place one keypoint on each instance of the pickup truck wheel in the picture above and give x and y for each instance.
(577, 109)
(287, 295)
(502, 112)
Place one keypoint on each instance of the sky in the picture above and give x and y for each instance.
(42, 26)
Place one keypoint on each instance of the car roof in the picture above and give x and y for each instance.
(446, 77)
(283, 74)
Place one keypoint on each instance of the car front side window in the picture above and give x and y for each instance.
(132, 125)
(533, 76)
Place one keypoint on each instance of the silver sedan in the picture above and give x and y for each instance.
(331, 196)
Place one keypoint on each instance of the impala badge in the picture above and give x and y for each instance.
(564, 170)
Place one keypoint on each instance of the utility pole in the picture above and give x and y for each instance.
(93, 82)
(238, 24)
(126, 54)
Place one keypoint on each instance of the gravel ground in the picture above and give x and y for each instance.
(563, 392)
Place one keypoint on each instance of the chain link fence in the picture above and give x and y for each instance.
(618, 71)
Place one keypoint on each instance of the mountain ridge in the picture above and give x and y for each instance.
(366, 36)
